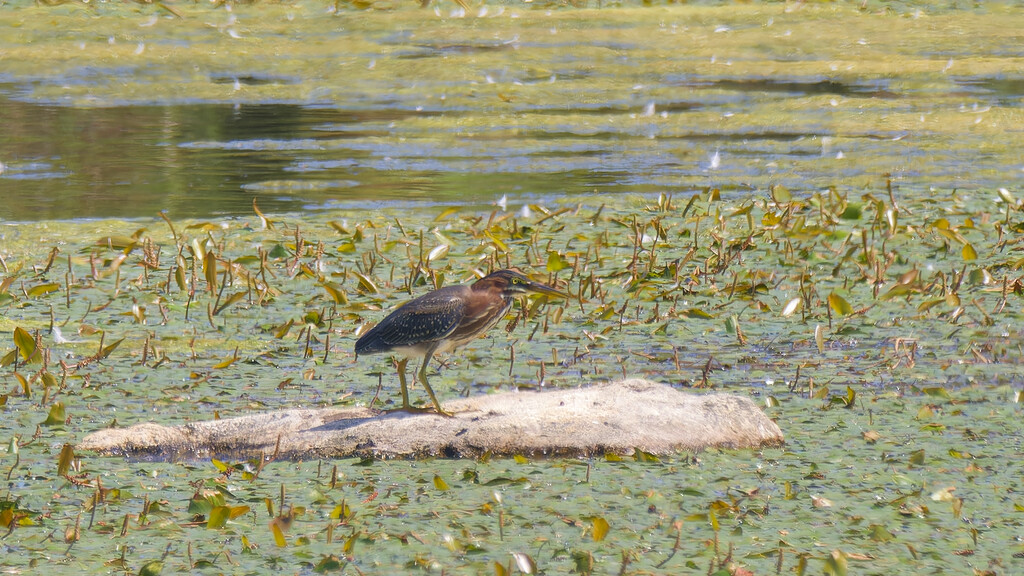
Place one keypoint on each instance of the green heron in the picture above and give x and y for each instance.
(445, 319)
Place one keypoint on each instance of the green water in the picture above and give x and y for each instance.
(813, 205)
(131, 110)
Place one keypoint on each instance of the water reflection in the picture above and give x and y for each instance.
(199, 160)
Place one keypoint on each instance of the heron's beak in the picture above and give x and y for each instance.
(538, 288)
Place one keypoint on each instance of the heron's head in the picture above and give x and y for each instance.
(513, 283)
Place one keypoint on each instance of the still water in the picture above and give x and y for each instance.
(675, 104)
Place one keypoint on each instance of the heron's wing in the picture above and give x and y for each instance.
(426, 319)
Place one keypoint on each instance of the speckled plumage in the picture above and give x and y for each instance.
(445, 319)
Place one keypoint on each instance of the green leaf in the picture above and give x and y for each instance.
(835, 565)
(26, 387)
(839, 305)
(151, 568)
(25, 342)
(218, 517)
(642, 456)
(41, 289)
(336, 292)
(328, 564)
(110, 348)
(279, 539)
(937, 392)
(210, 271)
(57, 416)
(852, 212)
(556, 262)
(64, 461)
(695, 313)
(968, 252)
(525, 563)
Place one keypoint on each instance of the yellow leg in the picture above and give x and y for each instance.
(400, 365)
(426, 386)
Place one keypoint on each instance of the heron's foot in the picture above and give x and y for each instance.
(421, 410)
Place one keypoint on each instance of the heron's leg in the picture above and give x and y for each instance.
(400, 365)
(426, 385)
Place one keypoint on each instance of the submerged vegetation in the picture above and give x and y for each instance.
(815, 205)
(882, 331)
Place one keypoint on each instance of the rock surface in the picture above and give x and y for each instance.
(616, 417)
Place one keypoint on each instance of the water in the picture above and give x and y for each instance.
(409, 109)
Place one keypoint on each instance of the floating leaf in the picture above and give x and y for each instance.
(234, 298)
(25, 342)
(41, 289)
(179, 274)
(228, 361)
(336, 292)
(56, 416)
(365, 284)
(525, 563)
(792, 306)
(937, 392)
(980, 277)
(836, 564)
(210, 271)
(852, 212)
(899, 290)
(696, 313)
(879, 533)
(275, 529)
(839, 305)
(583, 562)
(26, 386)
(961, 455)
(64, 461)
(278, 251)
(446, 213)
(282, 330)
(968, 252)
(556, 262)
(781, 195)
(219, 515)
(341, 512)
(110, 348)
(438, 252)
(643, 456)
(732, 324)
(151, 568)
(328, 564)
(117, 242)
